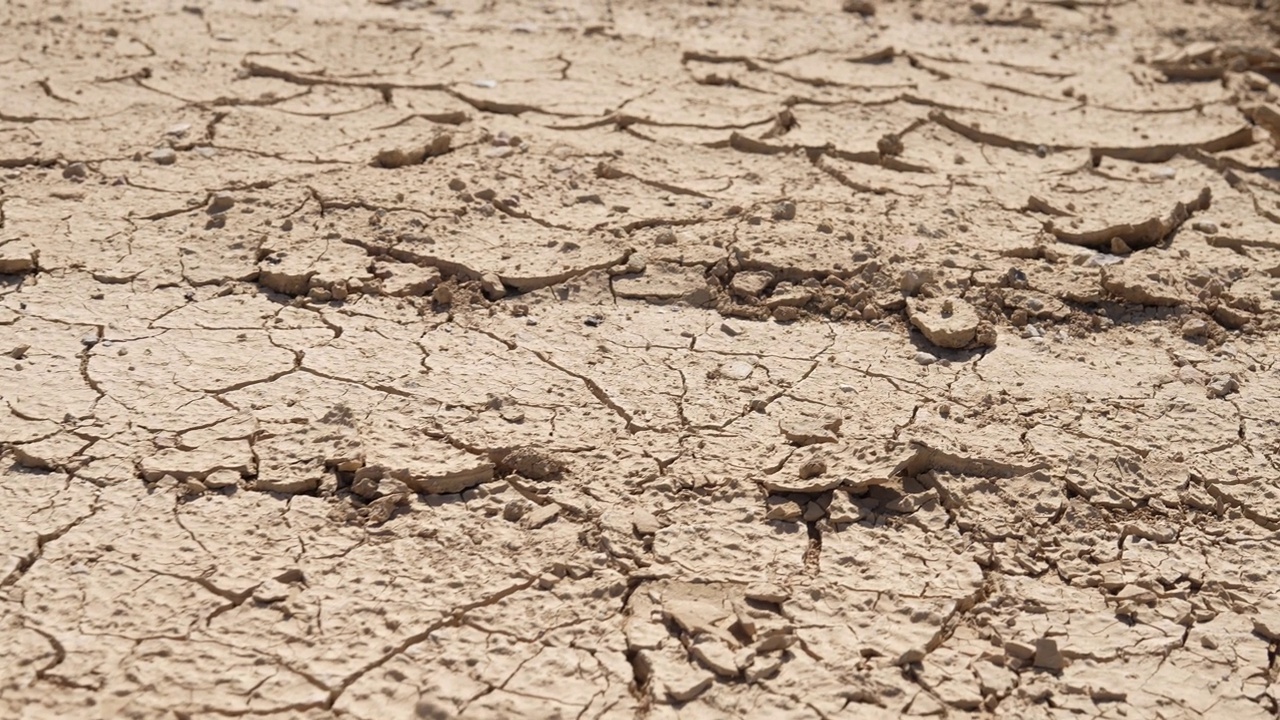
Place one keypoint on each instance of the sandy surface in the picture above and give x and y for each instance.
(638, 359)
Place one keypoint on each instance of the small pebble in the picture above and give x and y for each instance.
(924, 358)
(736, 370)
(75, 171)
(786, 313)
(864, 8)
(164, 156)
(221, 203)
(1195, 328)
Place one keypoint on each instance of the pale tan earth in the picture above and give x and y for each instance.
(656, 359)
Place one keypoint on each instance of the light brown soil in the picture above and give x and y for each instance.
(648, 359)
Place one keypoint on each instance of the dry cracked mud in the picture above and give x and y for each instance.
(726, 359)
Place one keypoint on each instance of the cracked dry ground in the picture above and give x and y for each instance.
(638, 360)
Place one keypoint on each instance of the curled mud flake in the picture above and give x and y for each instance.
(1135, 236)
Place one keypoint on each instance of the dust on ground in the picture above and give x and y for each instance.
(443, 358)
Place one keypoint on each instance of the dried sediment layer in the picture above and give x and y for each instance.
(823, 360)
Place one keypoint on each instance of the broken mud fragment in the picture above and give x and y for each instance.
(949, 323)
(415, 154)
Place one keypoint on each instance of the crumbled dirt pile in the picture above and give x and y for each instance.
(739, 359)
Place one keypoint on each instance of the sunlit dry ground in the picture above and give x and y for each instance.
(638, 360)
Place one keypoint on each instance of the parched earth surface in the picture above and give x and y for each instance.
(668, 359)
